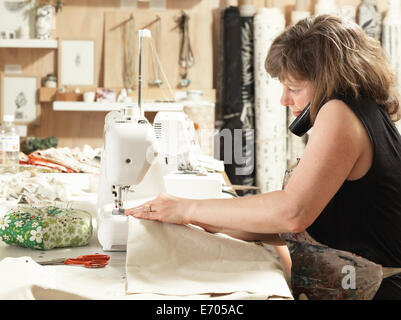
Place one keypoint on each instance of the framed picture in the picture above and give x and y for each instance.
(19, 97)
(76, 62)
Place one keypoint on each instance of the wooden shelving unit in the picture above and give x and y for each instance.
(75, 103)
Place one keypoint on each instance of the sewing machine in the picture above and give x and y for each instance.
(130, 173)
(175, 133)
(139, 161)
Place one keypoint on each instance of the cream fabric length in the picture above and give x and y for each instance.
(178, 260)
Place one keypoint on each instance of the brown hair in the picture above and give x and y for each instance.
(336, 56)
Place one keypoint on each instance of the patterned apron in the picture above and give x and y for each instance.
(319, 272)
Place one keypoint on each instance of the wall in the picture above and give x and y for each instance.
(86, 19)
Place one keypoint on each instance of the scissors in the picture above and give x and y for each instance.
(88, 261)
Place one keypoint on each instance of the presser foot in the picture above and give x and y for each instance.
(118, 211)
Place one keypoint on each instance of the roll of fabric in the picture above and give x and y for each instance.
(220, 71)
(369, 18)
(232, 105)
(295, 145)
(391, 40)
(231, 95)
(270, 116)
(247, 13)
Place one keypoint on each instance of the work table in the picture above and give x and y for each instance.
(22, 278)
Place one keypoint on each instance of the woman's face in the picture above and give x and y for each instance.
(296, 94)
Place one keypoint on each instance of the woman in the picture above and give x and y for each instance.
(346, 189)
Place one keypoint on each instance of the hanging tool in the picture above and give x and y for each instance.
(186, 58)
(156, 24)
(88, 261)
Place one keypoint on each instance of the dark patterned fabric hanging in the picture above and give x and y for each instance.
(231, 91)
(232, 104)
(237, 92)
(220, 71)
(248, 100)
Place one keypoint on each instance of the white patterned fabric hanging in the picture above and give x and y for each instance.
(391, 40)
(347, 12)
(369, 18)
(295, 145)
(270, 116)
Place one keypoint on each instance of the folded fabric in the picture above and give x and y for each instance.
(180, 260)
(36, 160)
(72, 159)
(46, 227)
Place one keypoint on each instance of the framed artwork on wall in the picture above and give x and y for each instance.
(19, 97)
(76, 62)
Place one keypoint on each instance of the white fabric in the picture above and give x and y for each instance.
(186, 260)
(270, 116)
(36, 188)
(72, 158)
(22, 278)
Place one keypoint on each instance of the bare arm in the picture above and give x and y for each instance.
(332, 151)
(329, 157)
(272, 239)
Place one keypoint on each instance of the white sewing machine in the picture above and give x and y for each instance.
(130, 174)
(139, 162)
(175, 133)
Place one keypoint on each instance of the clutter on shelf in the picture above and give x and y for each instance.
(65, 159)
(42, 186)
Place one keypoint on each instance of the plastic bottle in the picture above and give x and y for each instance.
(9, 146)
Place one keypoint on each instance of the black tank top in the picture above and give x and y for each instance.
(364, 216)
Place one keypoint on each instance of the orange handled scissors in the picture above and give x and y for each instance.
(88, 261)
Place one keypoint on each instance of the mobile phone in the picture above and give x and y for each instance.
(302, 123)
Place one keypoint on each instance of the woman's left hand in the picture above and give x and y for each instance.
(165, 208)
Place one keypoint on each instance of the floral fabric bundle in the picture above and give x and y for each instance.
(46, 228)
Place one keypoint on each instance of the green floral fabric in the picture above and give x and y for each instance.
(46, 227)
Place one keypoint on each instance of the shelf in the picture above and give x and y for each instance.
(28, 43)
(48, 95)
(107, 106)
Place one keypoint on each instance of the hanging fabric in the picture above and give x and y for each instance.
(155, 28)
(231, 144)
(270, 116)
(247, 13)
(391, 40)
(186, 58)
(220, 72)
(369, 18)
(296, 145)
